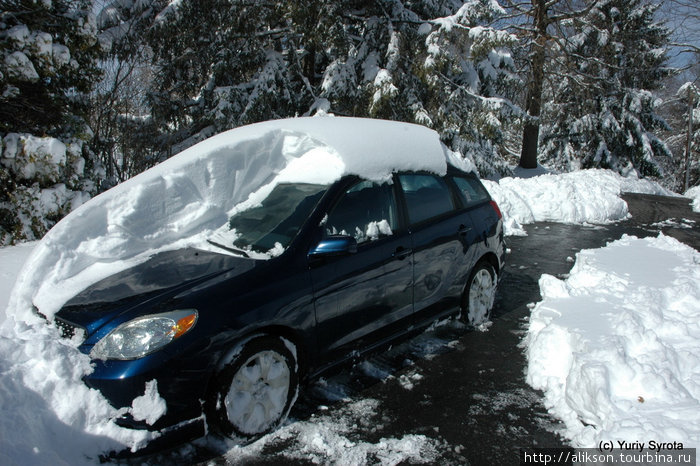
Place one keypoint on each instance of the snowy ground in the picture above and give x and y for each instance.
(12, 259)
(616, 346)
(48, 420)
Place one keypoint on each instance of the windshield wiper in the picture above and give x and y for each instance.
(236, 251)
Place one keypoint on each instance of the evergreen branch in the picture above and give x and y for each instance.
(573, 14)
(498, 101)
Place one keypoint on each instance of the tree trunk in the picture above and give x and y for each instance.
(689, 138)
(310, 65)
(531, 132)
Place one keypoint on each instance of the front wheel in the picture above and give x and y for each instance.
(254, 393)
(479, 294)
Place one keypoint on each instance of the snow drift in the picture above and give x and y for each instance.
(586, 196)
(616, 346)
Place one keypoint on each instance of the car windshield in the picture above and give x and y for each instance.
(270, 226)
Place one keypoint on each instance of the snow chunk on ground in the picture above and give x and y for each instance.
(327, 439)
(586, 196)
(694, 194)
(616, 346)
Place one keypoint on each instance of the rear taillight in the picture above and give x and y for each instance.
(495, 207)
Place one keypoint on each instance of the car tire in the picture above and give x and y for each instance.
(254, 392)
(479, 294)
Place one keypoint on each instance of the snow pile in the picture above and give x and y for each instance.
(694, 194)
(616, 347)
(586, 196)
(43, 422)
(49, 416)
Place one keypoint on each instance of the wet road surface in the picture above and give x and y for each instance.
(464, 390)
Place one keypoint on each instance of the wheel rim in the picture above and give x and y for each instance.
(481, 295)
(258, 393)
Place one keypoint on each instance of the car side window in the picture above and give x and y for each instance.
(367, 211)
(426, 196)
(471, 191)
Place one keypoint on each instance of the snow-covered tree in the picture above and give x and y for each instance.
(226, 63)
(222, 64)
(689, 94)
(539, 24)
(433, 63)
(48, 52)
(469, 76)
(603, 108)
(119, 115)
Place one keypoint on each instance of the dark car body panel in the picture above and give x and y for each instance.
(331, 306)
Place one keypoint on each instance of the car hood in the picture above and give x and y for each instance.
(163, 272)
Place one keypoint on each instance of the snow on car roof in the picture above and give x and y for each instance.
(177, 202)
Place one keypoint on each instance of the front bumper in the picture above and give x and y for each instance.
(182, 391)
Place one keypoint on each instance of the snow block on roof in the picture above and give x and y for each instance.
(177, 203)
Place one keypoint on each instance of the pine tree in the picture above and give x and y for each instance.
(469, 74)
(603, 105)
(222, 64)
(435, 62)
(48, 53)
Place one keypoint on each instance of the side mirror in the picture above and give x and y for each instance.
(334, 246)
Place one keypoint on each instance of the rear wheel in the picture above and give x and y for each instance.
(254, 393)
(479, 294)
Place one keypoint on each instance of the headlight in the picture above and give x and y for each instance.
(144, 335)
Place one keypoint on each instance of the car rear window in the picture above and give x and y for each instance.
(471, 191)
(427, 196)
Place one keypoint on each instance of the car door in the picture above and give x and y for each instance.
(442, 235)
(364, 297)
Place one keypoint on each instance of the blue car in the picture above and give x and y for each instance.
(312, 275)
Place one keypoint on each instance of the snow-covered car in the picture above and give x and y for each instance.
(351, 233)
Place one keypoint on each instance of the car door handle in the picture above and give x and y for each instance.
(401, 253)
(463, 230)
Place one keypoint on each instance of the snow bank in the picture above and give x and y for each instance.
(694, 194)
(616, 347)
(12, 259)
(586, 196)
(48, 419)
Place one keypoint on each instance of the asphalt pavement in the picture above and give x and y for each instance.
(467, 389)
